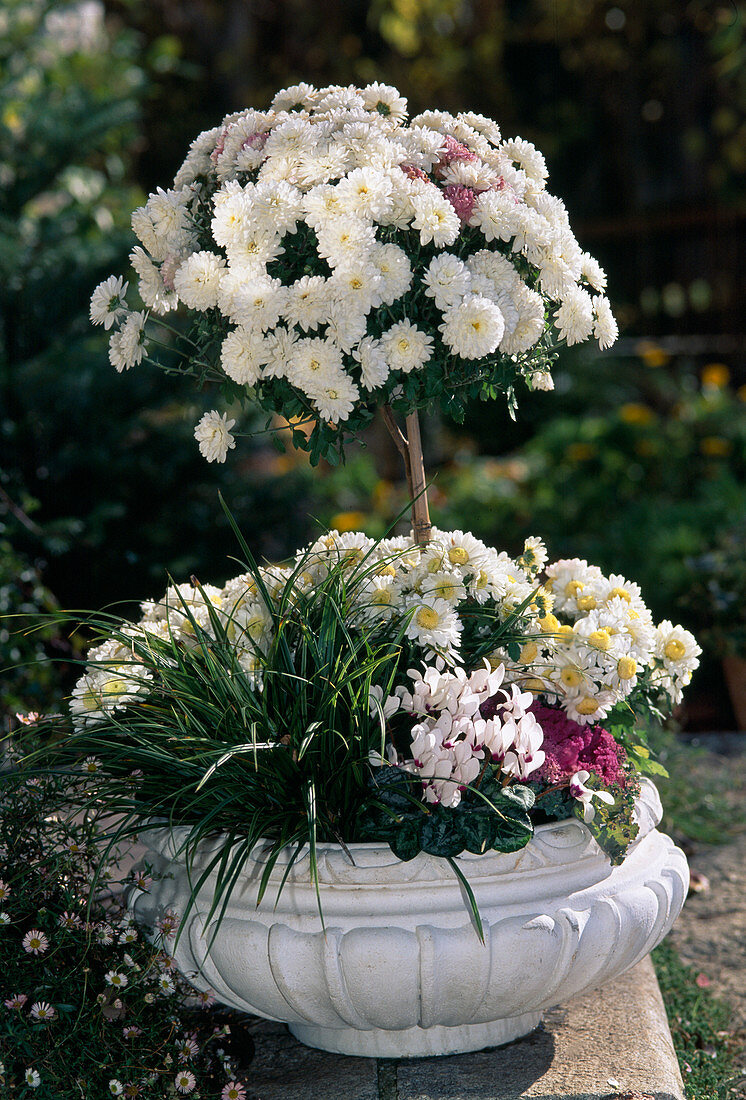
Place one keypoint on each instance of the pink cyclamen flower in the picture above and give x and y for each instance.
(35, 942)
(185, 1081)
(42, 1010)
(18, 1000)
(234, 1090)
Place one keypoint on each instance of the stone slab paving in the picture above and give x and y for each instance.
(609, 1044)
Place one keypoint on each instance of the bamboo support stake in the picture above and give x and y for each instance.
(410, 448)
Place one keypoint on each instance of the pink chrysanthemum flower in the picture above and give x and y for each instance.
(18, 1000)
(4, 891)
(70, 921)
(234, 1090)
(131, 1031)
(461, 199)
(35, 942)
(206, 999)
(185, 1081)
(42, 1010)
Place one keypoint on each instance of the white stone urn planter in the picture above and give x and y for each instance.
(399, 970)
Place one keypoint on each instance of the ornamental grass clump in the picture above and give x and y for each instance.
(89, 1007)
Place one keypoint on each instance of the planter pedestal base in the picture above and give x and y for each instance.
(416, 1042)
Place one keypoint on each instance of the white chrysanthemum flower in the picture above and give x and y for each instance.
(530, 323)
(127, 347)
(355, 285)
(574, 318)
(257, 247)
(155, 284)
(385, 101)
(321, 204)
(214, 436)
(496, 214)
(346, 325)
(307, 302)
(592, 272)
(434, 217)
(277, 351)
(163, 224)
(496, 268)
(314, 360)
(392, 264)
(232, 217)
(406, 347)
(462, 550)
(335, 397)
(344, 239)
(528, 157)
(605, 328)
(365, 193)
(297, 97)
(278, 204)
(197, 282)
(374, 368)
(241, 356)
(555, 277)
(108, 305)
(482, 125)
(447, 280)
(250, 299)
(473, 327)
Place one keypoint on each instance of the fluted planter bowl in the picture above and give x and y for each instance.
(399, 970)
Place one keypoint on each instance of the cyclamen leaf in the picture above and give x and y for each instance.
(478, 829)
(406, 842)
(440, 835)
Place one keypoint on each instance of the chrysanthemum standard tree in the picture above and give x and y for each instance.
(333, 259)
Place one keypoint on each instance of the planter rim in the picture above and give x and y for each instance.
(569, 834)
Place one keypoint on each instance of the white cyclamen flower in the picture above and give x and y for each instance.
(108, 306)
(214, 437)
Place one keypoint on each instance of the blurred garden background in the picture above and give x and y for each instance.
(637, 461)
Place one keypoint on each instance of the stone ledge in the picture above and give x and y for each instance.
(608, 1044)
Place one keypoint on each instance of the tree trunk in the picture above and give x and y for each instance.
(410, 448)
